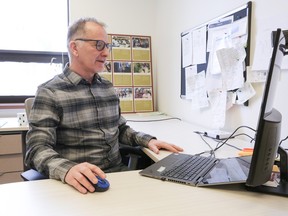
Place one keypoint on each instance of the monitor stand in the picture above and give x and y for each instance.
(282, 188)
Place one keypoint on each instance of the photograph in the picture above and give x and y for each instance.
(141, 67)
(141, 42)
(124, 93)
(121, 41)
(145, 93)
(122, 67)
(107, 67)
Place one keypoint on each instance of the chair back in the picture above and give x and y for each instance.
(30, 174)
(28, 105)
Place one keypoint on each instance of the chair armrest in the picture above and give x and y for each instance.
(134, 157)
(31, 175)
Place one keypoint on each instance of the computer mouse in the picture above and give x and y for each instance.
(102, 185)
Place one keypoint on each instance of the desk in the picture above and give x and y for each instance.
(11, 126)
(132, 194)
(12, 147)
(164, 127)
(180, 133)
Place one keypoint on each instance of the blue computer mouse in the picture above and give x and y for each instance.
(102, 185)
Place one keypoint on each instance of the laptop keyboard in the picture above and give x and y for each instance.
(189, 168)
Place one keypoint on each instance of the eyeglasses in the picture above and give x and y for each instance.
(100, 44)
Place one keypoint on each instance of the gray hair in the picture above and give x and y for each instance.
(78, 27)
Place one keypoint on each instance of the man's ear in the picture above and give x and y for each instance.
(73, 48)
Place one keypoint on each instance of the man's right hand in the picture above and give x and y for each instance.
(78, 174)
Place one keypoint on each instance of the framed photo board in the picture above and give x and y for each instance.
(129, 68)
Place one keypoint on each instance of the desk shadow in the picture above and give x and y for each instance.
(228, 187)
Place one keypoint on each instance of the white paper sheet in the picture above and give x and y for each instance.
(187, 50)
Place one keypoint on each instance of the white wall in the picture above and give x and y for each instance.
(121, 16)
(179, 15)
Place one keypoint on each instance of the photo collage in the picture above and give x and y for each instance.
(129, 68)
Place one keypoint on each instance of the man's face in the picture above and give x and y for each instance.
(89, 57)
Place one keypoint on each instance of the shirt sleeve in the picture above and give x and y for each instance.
(131, 137)
(41, 138)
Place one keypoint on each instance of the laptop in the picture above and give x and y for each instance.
(196, 170)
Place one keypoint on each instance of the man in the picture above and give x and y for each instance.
(75, 122)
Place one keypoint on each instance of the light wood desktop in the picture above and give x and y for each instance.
(11, 126)
(132, 194)
(173, 130)
(165, 128)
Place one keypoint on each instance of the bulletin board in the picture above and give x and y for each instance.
(241, 14)
(129, 68)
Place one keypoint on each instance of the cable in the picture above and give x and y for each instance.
(252, 139)
(222, 142)
(225, 141)
(233, 146)
(211, 152)
(283, 140)
(154, 120)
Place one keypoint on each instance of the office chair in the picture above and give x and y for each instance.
(133, 157)
(30, 174)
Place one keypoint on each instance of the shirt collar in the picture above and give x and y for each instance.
(76, 79)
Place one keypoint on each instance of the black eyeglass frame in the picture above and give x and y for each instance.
(107, 45)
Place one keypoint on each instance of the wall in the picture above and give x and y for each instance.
(164, 21)
(180, 15)
(121, 17)
(135, 17)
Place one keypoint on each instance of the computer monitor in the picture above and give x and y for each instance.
(269, 128)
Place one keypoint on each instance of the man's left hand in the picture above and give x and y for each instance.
(155, 145)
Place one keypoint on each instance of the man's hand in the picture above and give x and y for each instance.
(78, 174)
(155, 145)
